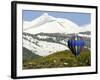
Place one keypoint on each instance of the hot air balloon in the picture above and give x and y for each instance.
(76, 44)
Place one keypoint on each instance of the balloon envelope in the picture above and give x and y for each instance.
(76, 44)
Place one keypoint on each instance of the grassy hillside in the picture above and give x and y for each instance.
(59, 59)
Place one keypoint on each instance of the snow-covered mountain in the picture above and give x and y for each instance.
(48, 24)
(85, 28)
(47, 35)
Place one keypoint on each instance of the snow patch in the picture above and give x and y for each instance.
(44, 48)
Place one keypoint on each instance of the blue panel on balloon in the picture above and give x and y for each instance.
(76, 43)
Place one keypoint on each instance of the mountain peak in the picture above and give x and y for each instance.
(46, 17)
(45, 14)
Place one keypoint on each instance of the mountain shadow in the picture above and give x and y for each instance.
(28, 54)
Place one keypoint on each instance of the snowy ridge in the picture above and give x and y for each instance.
(85, 28)
(47, 24)
(38, 21)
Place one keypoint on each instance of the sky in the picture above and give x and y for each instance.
(80, 19)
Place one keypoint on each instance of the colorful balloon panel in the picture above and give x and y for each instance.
(76, 44)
